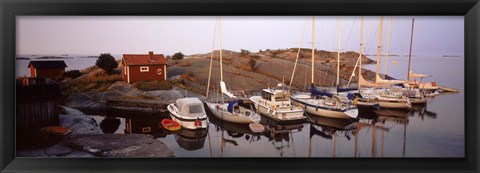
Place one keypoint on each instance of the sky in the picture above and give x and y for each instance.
(92, 35)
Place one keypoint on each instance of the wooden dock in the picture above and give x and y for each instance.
(447, 89)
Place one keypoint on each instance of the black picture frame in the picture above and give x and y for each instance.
(470, 9)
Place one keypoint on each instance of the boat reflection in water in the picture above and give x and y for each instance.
(190, 139)
(330, 128)
(281, 134)
(234, 132)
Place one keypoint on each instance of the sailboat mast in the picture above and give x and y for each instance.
(221, 64)
(361, 52)
(298, 54)
(313, 47)
(211, 57)
(220, 37)
(388, 44)
(410, 54)
(338, 53)
(379, 45)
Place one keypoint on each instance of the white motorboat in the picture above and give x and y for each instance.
(276, 104)
(189, 112)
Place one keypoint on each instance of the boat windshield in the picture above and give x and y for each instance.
(195, 109)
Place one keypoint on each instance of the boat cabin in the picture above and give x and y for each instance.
(275, 95)
(191, 107)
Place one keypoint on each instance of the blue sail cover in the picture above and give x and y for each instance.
(230, 105)
(340, 89)
(315, 92)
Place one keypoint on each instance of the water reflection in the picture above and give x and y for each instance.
(281, 135)
(191, 139)
(377, 134)
(110, 124)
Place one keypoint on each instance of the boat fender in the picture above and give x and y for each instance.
(434, 83)
(217, 107)
(198, 122)
(334, 104)
(355, 101)
(273, 107)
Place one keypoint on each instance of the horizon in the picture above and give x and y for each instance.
(86, 35)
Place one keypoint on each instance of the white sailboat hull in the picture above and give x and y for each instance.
(287, 113)
(331, 113)
(393, 104)
(220, 111)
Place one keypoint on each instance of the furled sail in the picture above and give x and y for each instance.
(383, 81)
(224, 90)
(418, 75)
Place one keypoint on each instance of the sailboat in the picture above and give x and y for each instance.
(230, 111)
(414, 84)
(387, 96)
(321, 103)
(364, 105)
(415, 96)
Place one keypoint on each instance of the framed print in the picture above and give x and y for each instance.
(160, 86)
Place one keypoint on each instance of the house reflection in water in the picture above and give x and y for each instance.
(145, 126)
(110, 124)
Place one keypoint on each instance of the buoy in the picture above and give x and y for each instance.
(256, 127)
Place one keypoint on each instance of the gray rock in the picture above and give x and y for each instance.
(79, 154)
(78, 122)
(58, 150)
(70, 111)
(32, 153)
(121, 145)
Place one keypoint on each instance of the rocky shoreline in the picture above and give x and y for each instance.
(87, 140)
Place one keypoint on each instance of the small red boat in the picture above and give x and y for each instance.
(170, 125)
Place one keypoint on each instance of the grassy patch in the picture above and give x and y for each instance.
(147, 97)
(153, 85)
(182, 84)
(98, 82)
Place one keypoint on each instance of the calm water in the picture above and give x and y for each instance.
(436, 130)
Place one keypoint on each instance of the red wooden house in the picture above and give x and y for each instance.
(143, 67)
(48, 69)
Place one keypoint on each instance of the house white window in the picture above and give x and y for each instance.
(143, 69)
(146, 129)
(125, 69)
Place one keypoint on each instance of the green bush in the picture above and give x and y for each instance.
(178, 56)
(244, 53)
(153, 85)
(106, 62)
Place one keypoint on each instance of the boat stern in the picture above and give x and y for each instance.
(352, 113)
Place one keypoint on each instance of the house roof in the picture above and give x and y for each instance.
(47, 64)
(143, 59)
